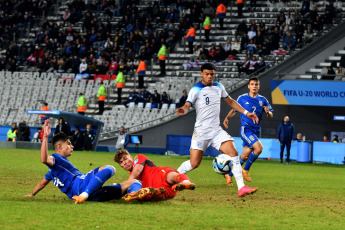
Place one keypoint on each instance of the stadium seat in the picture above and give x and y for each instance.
(165, 106)
(141, 105)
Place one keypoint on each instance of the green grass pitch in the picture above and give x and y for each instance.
(296, 196)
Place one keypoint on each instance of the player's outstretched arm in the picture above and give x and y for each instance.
(184, 109)
(43, 183)
(45, 158)
(137, 170)
(268, 113)
(230, 115)
(236, 106)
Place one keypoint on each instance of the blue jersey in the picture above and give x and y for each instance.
(63, 173)
(253, 105)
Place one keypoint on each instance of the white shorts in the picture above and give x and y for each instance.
(216, 141)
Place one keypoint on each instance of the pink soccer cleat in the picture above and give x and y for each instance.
(245, 190)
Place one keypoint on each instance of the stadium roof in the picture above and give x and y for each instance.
(71, 118)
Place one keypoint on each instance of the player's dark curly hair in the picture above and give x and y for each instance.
(207, 66)
(119, 154)
(60, 137)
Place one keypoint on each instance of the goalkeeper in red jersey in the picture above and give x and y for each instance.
(157, 182)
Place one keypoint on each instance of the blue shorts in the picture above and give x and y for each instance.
(105, 193)
(79, 183)
(249, 136)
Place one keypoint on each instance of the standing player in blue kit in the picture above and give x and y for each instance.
(250, 131)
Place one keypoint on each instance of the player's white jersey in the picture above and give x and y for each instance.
(206, 100)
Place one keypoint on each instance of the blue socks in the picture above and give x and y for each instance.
(250, 161)
(99, 179)
(241, 161)
(135, 186)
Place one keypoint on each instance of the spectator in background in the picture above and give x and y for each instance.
(261, 65)
(299, 137)
(236, 47)
(145, 95)
(340, 74)
(239, 8)
(308, 36)
(252, 65)
(335, 139)
(299, 30)
(162, 56)
(330, 74)
(285, 135)
(44, 108)
(203, 53)
(165, 99)
(77, 139)
(141, 72)
(120, 84)
(89, 137)
(35, 138)
(101, 95)
(155, 99)
(212, 52)
(325, 139)
(12, 133)
(62, 127)
(242, 28)
(243, 66)
(66, 16)
(183, 99)
(23, 131)
(82, 104)
(305, 7)
(132, 98)
(221, 13)
(289, 42)
(207, 28)
(122, 139)
(190, 38)
(196, 53)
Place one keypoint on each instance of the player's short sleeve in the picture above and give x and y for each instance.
(139, 159)
(48, 176)
(193, 95)
(224, 94)
(266, 103)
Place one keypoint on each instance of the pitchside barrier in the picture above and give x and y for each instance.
(305, 151)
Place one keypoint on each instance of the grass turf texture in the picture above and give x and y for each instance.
(296, 196)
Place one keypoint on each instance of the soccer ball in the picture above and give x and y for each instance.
(222, 164)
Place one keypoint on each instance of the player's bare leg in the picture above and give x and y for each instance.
(179, 181)
(257, 149)
(228, 147)
(194, 162)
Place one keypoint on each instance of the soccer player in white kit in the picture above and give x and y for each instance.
(205, 96)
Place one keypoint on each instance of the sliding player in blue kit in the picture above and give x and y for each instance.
(77, 186)
(250, 131)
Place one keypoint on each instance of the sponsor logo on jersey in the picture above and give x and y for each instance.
(247, 103)
(260, 103)
(135, 161)
(251, 138)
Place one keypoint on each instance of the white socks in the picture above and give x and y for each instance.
(237, 171)
(185, 167)
(84, 194)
